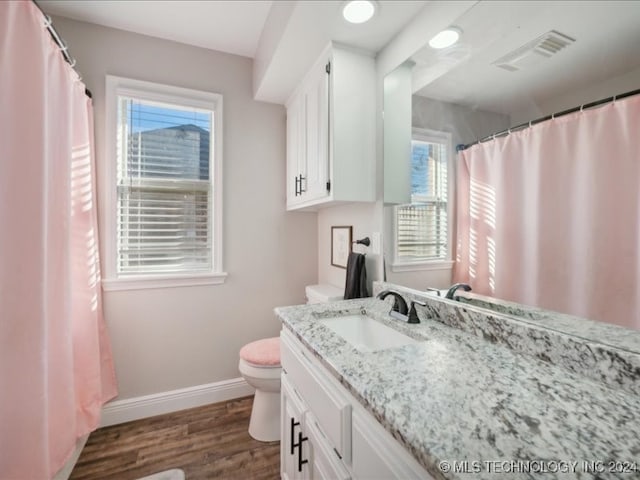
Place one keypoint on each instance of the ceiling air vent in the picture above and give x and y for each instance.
(534, 52)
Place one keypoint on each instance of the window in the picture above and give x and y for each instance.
(422, 227)
(166, 184)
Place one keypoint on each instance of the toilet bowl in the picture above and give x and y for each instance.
(260, 367)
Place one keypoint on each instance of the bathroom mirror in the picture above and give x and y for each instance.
(514, 62)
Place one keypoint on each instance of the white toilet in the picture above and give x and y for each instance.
(323, 293)
(260, 367)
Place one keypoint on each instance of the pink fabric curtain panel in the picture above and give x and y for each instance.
(56, 367)
(550, 215)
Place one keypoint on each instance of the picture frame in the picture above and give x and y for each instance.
(341, 243)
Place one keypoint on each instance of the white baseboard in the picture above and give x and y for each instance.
(120, 411)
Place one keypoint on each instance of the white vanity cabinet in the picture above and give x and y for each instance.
(331, 132)
(326, 433)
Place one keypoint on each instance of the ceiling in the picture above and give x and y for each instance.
(607, 44)
(228, 26)
(295, 32)
(310, 27)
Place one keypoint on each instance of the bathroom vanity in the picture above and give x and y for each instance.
(326, 433)
(468, 392)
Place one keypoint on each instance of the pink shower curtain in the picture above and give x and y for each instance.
(56, 367)
(550, 216)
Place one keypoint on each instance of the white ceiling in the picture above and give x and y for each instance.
(310, 27)
(302, 29)
(228, 26)
(607, 45)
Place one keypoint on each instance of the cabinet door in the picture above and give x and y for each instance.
(377, 455)
(295, 149)
(316, 109)
(326, 463)
(295, 452)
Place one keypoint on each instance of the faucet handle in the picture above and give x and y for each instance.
(413, 315)
(431, 289)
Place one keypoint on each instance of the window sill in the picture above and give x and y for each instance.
(421, 266)
(161, 281)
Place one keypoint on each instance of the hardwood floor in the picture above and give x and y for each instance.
(206, 442)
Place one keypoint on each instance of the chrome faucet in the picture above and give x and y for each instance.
(454, 288)
(399, 304)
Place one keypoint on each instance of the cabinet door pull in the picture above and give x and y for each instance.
(297, 180)
(300, 461)
(294, 424)
(305, 184)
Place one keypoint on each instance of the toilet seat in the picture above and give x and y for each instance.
(262, 353)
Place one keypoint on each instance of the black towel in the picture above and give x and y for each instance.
(356, 284)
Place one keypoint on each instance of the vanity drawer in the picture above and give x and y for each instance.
(321, 393)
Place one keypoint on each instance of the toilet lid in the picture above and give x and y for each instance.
(265, 352)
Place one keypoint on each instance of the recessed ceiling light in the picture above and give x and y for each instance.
(359, 11)
(445, 38)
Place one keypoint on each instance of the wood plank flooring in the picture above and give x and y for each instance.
(209, 442)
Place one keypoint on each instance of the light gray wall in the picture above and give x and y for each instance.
(465, 124)
(364, 219)
(171, 338)
(614, 85)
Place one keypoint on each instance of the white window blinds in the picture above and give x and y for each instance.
(422, 226)
(164, 204)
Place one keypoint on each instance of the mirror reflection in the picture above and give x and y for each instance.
(543, 213)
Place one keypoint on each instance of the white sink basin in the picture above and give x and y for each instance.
(366, 334)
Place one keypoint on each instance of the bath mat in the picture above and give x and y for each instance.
(173, 474)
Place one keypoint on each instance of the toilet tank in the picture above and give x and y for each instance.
(323, 293)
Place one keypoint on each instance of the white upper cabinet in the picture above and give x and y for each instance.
(331, 132)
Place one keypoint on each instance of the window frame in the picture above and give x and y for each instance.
(402, 265)
(165, 94)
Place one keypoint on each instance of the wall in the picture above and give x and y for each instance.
(465, 124)
(364, 219)
(609, 87)
(172, 338)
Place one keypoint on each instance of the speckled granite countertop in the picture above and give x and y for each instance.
(456, 396)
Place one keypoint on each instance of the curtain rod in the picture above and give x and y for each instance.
(63, 46)
(549, 117)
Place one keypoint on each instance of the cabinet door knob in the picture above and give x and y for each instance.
(294, 424)
(300, 461)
